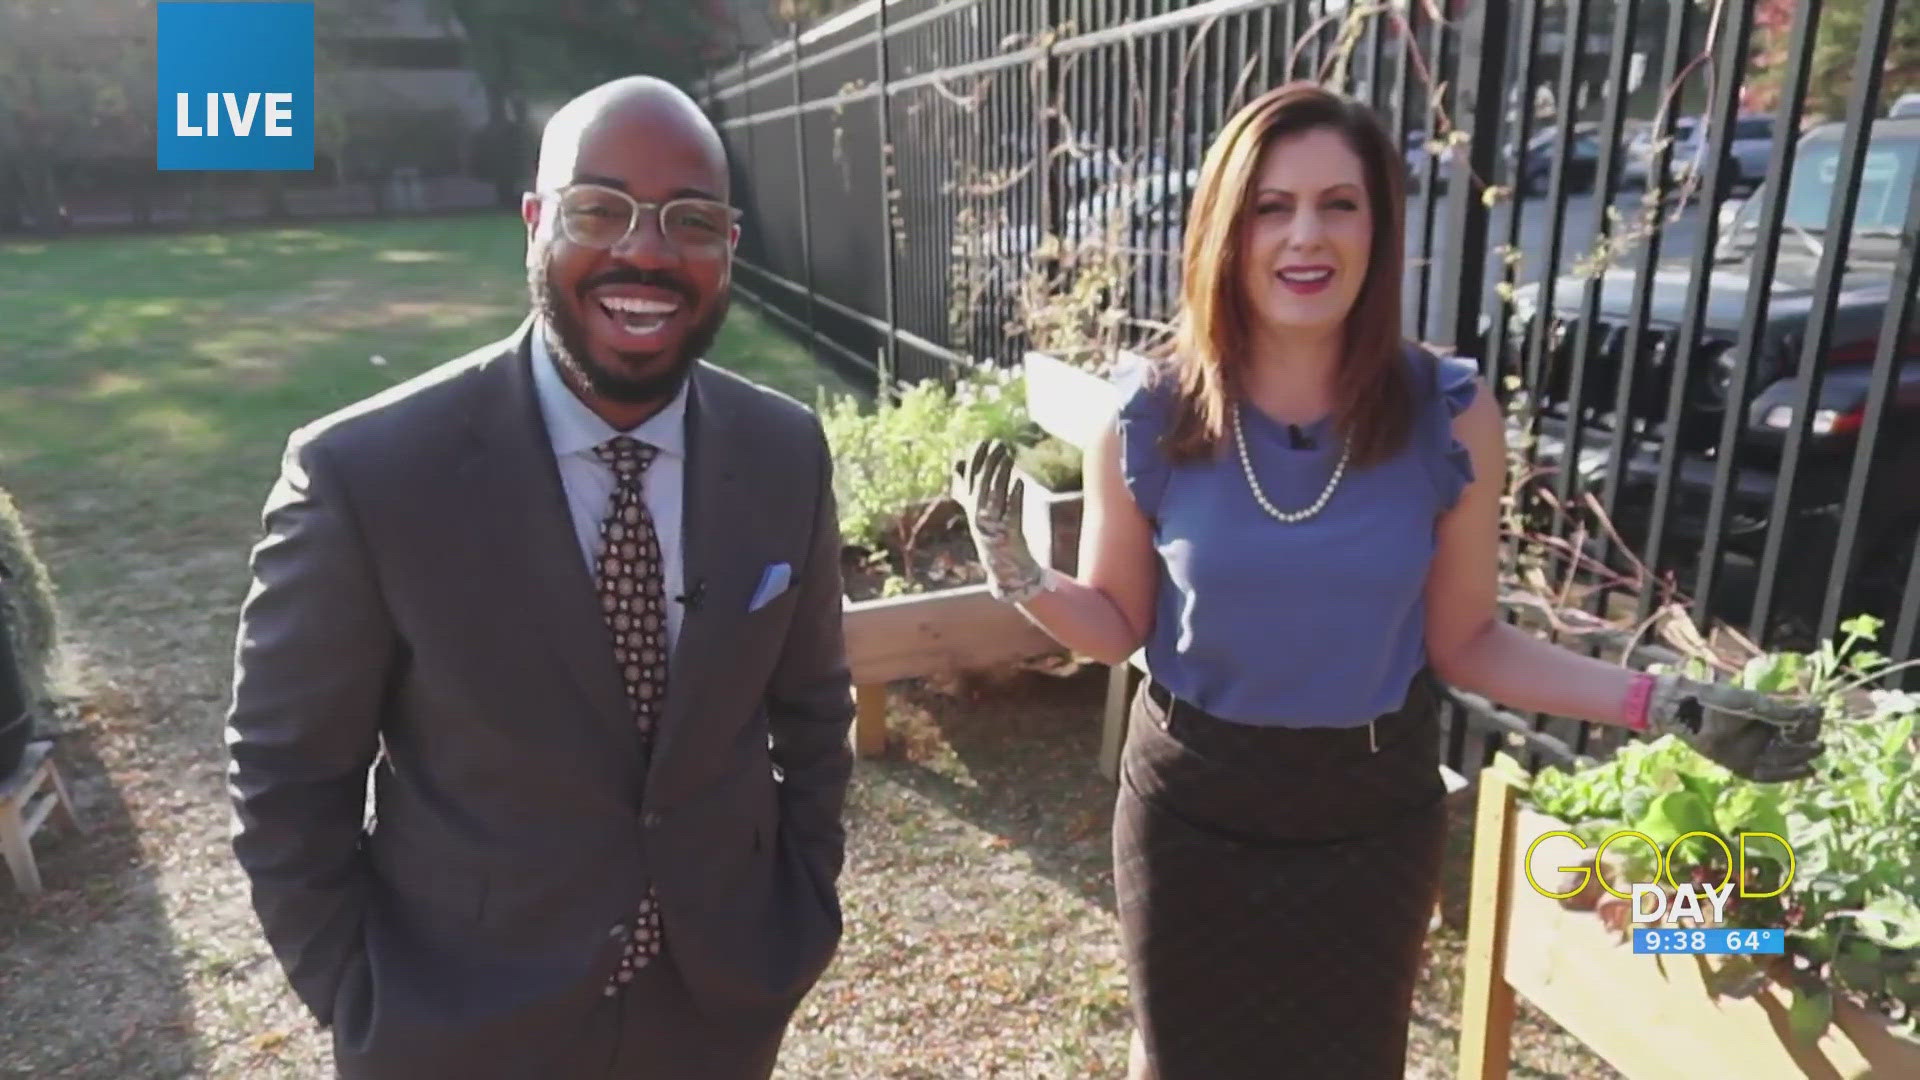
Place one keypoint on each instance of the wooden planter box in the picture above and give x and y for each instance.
(936, 633)
(1651, 1017)
(1071, 404)
(1051, 521)
(1068, 402)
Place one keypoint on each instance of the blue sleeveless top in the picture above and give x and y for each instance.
(1319, 623)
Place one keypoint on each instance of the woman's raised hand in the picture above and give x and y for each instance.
(992, 495)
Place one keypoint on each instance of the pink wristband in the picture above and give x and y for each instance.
(1633, 712)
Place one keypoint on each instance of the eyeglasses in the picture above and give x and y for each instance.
(602, 217)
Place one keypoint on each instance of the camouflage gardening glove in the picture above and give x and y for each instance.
(991, 495)
(1760, 738)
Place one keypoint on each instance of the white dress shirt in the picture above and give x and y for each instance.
(575, 430)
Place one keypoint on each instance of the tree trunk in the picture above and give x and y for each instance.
(140, 196)
(48, 211)
(206, 200)
(500, 146)
(13, 199)
(275, 184)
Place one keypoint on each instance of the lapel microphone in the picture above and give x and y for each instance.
(690, 599)
(1298, 439)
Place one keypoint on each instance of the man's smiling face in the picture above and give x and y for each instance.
(631, 296)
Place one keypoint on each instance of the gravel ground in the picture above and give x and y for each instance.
(978, 899)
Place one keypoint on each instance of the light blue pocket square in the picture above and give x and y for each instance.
(772, 583)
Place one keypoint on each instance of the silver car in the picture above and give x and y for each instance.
(1747, 152)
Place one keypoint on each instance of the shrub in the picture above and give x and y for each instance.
(894, 459)
(27, 603)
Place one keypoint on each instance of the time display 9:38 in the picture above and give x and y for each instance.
(1704, 941)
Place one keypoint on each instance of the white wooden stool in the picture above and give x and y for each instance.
(24, 807)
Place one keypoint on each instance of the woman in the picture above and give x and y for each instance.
(1297, 514)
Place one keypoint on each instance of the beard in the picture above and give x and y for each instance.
(567, 340)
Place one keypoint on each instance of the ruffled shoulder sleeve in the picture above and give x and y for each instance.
(1148, 395)
(1451, 382)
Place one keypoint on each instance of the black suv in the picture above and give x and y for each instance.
(1891, 512)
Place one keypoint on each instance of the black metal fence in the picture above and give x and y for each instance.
(1735, 382)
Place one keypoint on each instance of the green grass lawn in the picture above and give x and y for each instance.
(160, 374)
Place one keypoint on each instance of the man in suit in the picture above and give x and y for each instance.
(574, 600)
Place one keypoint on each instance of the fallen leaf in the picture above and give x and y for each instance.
(268, 1042)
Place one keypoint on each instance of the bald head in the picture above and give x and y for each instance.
(630, 238)
(637, 107)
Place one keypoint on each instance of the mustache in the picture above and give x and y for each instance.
(652, 279)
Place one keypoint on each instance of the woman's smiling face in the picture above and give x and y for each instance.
(1308, 243)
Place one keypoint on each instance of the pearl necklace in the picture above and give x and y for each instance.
(1253, 482)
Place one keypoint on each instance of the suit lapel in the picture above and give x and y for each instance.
(521, 521)
(712, 531)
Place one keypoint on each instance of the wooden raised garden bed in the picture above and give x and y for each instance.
(954, 626)
(1651, 1017)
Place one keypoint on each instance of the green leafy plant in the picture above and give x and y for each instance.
(992, 404)
(27, 606)
(1852, 906)
(1054, 462)
(893, 459)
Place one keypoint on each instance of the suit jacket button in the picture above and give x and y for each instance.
(616, 931)
(649, 820)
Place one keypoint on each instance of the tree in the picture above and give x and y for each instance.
(531, 54)
(76, 97)
(522, 49)
(1836, 45)
(809, 10)
(71, 90)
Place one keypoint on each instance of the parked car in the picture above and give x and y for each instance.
(1891, 512)
(1748, 152)
(1907, 105)
(1635, 170)
(1583, 160)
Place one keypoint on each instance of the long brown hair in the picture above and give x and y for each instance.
(1211, 344)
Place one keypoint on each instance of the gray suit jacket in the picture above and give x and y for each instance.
(419, 606)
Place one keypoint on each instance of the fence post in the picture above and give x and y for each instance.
(1481, 101)
(1735, 33)
(890, 353)
(746, 133)
(1753, 320)
(1850, 162)
(1056, 134)
(806, 210)
(1053, 185)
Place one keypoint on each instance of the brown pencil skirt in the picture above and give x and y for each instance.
(1274, 888)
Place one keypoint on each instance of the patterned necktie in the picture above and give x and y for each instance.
(632, 587)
